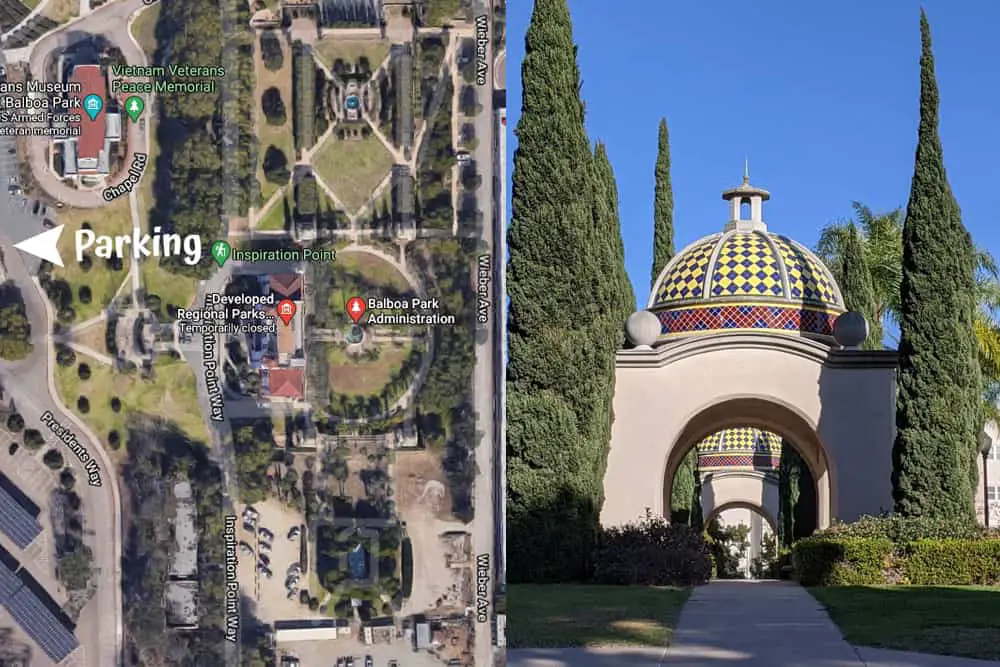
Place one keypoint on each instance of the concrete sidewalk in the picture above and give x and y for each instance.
(745, 624)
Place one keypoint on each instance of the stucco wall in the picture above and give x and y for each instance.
(837, 408)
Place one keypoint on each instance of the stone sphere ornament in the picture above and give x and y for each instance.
(642, 328)
(850, 329)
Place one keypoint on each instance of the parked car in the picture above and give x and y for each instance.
(369, 662)
(265, 534)
(246, 549)
(265, 547)
(293, 533)
(264, 560)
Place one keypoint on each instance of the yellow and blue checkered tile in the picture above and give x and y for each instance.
(746, 266)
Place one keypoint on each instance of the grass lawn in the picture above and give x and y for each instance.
(277, 216)
(93, 336)
(31, 4)
(565, 615)
(113, 219)
(61, 11)
(947, 620)
(268, 135)
(352, 168)
(359, 377)
(372, 268)
(144, 29)
(173, 289)
(440, 12)
(171, 394)
(330, 49)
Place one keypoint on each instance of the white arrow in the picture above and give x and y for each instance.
(44, 245)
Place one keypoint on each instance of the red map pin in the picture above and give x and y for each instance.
(356, 308)
(286, 310)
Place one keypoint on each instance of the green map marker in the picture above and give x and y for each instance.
(220, 252)
(134, 107)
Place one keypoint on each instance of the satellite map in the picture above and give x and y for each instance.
(251, 328)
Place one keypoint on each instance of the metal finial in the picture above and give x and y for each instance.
(746, 170)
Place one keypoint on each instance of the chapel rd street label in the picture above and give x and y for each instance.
(131, 180)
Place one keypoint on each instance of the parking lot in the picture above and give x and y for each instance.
(326, 653)
(279, 553)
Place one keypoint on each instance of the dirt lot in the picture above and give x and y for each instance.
(272, 603)
(325, 653)
(423, 504)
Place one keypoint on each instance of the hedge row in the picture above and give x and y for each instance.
(827, 560)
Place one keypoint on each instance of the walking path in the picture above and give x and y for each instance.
(745, 624)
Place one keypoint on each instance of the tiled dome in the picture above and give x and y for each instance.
(742, 448)
(746, 278)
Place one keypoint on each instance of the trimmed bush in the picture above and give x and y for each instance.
(842, 561)
(53, 459)
(15, 422)
(652, 552)
(900, 529)
(952, 562)
(33, 439)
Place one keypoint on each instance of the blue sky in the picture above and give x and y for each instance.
(821, 97)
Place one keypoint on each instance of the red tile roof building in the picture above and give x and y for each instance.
(92, 132)
(286, 383)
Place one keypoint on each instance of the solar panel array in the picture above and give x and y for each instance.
(9, 583)
(36, 619)
(16, 522)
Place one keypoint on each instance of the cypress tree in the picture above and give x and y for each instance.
(608, 227)
(683, 490)
(939, 380)
(856, 286)
(682, 495)
(560, 349)
(663, 206)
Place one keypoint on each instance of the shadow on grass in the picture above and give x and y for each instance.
(959, 621)
(571, 615)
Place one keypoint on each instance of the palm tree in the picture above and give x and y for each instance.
(882, 234)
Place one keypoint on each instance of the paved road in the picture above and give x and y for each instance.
(484, 528)
(111, 21)
(29, 383)
(100, 629)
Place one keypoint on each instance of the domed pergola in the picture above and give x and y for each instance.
(739, 346)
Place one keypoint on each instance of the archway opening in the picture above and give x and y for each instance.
(743, 540)
(755, 452)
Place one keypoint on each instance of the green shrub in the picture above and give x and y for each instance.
(900, 529)
(652, 552)
(842, 561)
(952, 562)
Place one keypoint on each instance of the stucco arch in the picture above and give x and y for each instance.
(749, 489)
(768, 414)
(836, 407)
(771, 520)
